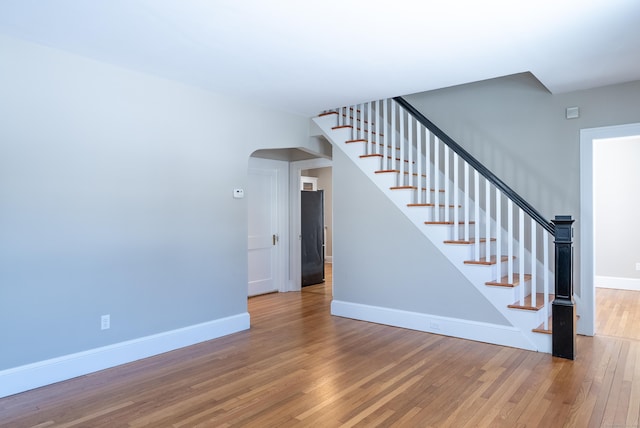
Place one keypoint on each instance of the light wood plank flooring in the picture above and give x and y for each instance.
(299, 366)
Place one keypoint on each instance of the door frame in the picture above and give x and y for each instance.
(295, 251)
(587, 321)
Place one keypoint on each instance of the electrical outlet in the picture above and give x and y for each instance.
(105, 322)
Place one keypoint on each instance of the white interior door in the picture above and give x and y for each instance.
(262, 199)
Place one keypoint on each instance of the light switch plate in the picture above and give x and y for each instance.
(238, 193)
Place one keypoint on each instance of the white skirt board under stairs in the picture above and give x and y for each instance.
(530, 323)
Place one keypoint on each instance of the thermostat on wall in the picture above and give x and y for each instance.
(238, 193)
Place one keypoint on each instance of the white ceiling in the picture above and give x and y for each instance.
(306, 56)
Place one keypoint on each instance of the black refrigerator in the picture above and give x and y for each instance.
(312, 236)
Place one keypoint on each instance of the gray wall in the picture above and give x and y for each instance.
(519, 131)
(616, 177)
(381, 259)
(116, 198)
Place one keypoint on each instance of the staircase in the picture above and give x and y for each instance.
(498, 241)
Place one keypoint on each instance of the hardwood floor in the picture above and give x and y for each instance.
(299, 366)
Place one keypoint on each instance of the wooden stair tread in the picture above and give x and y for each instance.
(381, 156)
(402, 187)
(484, 262)
(541, 329)
(384, 171)
(375, 155)
(549, 329)
(327, 113)
(359, 120)
(447, 222)
(504, 281)
(357, 129)
(469, 242)
(527, 305)
(362, 140)
(433, 205)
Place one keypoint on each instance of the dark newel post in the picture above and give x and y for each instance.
(564, 308)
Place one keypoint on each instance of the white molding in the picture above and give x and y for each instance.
(504, 335)
(619, 283)
(30, 376)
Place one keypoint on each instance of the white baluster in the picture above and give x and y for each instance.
(410, 121)
(476, 214)
(394, 139)
(447, 198)
(403, 155)
(378, 128)
(534, 287)
(419, 137)
(430, 168)
(456, 199)
(358, 122)
(499, 229)
(467, 202)
(370, 138)
(521, 253)
(354, 121)
(436, 177)
(385, 131)
(487, 225)
(510, 239)
(545, 243)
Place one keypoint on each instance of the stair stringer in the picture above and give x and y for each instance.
(500, 297)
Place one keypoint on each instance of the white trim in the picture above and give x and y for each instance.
(30, 376)
(328, 259)
(632, 284)
(504, 335)
(587, 309)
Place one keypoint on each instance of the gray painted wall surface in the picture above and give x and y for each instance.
(519, 131)
(382, 259)
(616, 167)
(116, 198)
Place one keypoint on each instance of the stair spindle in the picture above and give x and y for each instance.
(467, 202)
(498, 198)
(545, 258)
(521, 253)
(476, 213)
(487, 227)
(510, 241)
(456, 198)
(534, 287)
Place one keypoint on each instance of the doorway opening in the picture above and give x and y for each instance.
(281, 235)
(599, 148)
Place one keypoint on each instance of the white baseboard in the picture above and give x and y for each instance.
(473, 330)
(616, 282)
(30, 376)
